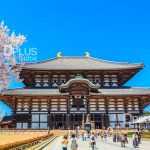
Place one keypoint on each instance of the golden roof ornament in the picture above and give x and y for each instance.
(87, 54)
(59, 54)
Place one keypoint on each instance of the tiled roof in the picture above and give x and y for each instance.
(6, 118)
(80, 63)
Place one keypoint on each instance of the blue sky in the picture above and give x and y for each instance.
(109, 29)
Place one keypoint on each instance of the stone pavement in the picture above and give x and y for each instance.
(100, 145)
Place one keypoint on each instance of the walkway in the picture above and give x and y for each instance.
(101, 145)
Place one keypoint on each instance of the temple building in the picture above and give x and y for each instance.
(59, 94)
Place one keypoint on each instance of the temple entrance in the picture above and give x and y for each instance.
(98, 120)
(58, 125)
(98, 125)
(76, 121)
(57, 121)
(77, 126)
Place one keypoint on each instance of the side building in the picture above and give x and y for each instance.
(61, 92)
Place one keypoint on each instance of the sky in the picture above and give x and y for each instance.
(109, 29)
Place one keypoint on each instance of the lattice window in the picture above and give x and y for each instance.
(43, 126)
(43, 117)
(35, 125)
(35, 117)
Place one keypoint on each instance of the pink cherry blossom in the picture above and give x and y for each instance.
(8, 64)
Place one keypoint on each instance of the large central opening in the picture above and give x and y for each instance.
(76, 121)
(78, 102)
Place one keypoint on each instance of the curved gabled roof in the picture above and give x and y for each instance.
(80, 63)
(79, 79)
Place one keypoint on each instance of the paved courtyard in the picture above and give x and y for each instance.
(100, 145)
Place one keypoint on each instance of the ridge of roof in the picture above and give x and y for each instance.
(83, 57)
(121, 88)
(102, 91)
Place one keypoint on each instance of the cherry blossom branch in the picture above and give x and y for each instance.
(8, 63)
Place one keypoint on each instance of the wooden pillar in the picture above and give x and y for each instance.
(141, 104)
(67, 121)
(50, 79)
(126, 104)
(14, 112)
(97, 106)
(49, 105)
(107, 116)
(68, 105)
(50, 125)
(83, 121)
(68, 113)
(54, 122)
(30, 108)
(87, 104)
(67, 76)
(102, 79)
(102, 120)
(49, 114)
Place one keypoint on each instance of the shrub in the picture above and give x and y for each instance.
(19, 143)
(144, 135)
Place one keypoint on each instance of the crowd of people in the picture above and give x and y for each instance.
(121, 137)
(91, 138)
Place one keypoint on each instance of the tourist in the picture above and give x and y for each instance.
(93, 142)
(118, 137)
(114, 137)
(88, 138)
(96, 134)
(64, 142)
(73, 143)
(85, 136)
(88, 135)
(126, 138)
(105, 135)
(82, 134)
(135, 140)
(110, 133)
(139, 136)
(101, 135)
(122, 140)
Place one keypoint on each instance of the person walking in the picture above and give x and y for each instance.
(122, 140)
(82, 134)
(114, 137)
(118, 137)
(135, 140)
(139, 137)
(126, 138)
(96, 134)
(105, 135)
(85, 136)
(93, 142)
(73, 143)
(64, 142)
(101, 135)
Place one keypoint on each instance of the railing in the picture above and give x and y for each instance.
(4, 130)
(34, 145)
(23, 147)
(14, 129)
(43, 145)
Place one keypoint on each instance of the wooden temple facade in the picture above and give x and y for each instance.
(60, 93)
